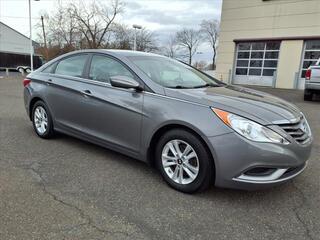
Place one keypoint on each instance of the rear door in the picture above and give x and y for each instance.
(64, 92)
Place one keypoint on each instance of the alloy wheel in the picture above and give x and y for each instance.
(40, 120)
(180, 161)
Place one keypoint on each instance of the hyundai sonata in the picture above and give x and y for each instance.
(197, 130)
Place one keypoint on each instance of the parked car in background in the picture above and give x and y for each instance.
(312, 83)
(194, 128)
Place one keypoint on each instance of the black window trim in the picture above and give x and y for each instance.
(136, 77)
(54, 65)
(85, 72)
(70, 56)
(82, 78)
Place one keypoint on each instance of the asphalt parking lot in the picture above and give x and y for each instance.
(69, 189)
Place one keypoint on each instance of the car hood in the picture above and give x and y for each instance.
(258, 106)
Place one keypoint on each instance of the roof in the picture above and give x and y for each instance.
(129, 53)
(123, 53)
(1, 23)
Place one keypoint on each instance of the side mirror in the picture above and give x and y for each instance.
(124, 82)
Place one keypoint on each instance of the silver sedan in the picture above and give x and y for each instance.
(195, 129)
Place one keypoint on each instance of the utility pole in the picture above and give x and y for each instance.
(31, 44)
(44, 38)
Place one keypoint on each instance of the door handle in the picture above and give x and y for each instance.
(49, 81)
(87, 93)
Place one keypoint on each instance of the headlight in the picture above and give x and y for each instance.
(249, 129)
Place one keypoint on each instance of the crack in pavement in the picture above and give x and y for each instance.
(86, 217)
(296, 211)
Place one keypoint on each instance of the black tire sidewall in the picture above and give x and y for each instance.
(308, 95)
(49, 131)
(205, 174)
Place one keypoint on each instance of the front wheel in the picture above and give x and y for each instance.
(184, 161)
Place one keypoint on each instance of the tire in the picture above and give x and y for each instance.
(28, 70)
(307, 95)
(21, 70)
(43, 125)
(202, 161)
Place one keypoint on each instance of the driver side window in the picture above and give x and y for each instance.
(103, 67)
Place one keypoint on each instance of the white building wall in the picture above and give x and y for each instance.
(12, 41)
(254, 19)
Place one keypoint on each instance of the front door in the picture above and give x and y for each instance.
(111, 114)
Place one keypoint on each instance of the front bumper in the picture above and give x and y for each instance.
(236, 156)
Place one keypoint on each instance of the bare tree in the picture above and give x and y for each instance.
(189, 39)
(91, 26)
(63, 27)
(95, 20)
(146, 41)
(171, 48)
(201, 65)
(61, 31)
(121, 37)
(210, 30)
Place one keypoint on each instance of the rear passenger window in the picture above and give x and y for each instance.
(72, 66)
(103, 67)
(49, 69)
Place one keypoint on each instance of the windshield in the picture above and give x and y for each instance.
(173, 74)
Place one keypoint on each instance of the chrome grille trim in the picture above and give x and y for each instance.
(299, 131)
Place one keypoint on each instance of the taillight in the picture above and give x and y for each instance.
(26, 82)
(308, 74)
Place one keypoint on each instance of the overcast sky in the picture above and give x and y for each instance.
(163, 17)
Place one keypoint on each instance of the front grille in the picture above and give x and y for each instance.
(299, 130)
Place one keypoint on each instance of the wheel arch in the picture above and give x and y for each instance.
(31, 104)
(165, 128)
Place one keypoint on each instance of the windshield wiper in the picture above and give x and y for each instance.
(199, 86)
(179, 87)
(205, 85)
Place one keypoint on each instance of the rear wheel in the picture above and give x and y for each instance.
(42, 120)
(308, 95)
(184, 161)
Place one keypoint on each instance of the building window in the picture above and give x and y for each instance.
(310, 56)
(257, 58)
